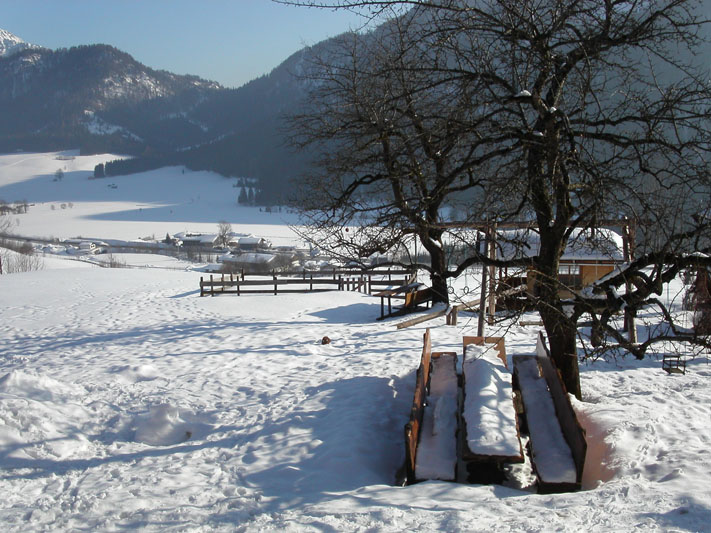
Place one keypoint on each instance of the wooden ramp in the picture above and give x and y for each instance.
(430, 434)
(557, 440)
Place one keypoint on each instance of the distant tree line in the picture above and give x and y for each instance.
(120, 167)
(262, 191)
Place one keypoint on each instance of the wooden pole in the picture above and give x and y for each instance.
(482, 301)
(492, 274)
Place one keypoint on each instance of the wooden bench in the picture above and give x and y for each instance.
(431, 432)
(556, 438)
(490, 433)
(413, 294)
(468, 421)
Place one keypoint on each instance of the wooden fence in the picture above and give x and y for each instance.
(304, 281)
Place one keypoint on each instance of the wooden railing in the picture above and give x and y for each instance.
(302, 281)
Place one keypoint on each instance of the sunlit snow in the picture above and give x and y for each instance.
(127, 402)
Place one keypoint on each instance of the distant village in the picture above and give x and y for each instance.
(227, 252)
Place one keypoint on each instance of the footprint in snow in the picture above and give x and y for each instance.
(671, 475)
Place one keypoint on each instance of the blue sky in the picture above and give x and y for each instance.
(229, 41)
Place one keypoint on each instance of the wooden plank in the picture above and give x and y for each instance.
(530, 323)
(421, 296)
(551, 457)
(402, 289)
(437, 448)
(467, 306)
(412, 428)
(573, 432)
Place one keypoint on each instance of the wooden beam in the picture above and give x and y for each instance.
(465, 306)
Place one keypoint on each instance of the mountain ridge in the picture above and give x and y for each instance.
(100, 99)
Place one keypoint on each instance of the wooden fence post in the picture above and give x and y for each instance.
(212, 287)
(201, 288)
(492, 274)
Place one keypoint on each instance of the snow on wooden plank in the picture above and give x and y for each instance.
(489, 414)
(437, 449)
(550, 452)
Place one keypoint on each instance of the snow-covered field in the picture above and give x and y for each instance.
(128, 402)
(167, 200)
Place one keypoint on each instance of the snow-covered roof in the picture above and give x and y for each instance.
(584, 244)
(250, 258)
(194, 236)
(251, 239)
(235, 237)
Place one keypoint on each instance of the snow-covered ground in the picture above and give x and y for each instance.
(167, 200)
(128, 402)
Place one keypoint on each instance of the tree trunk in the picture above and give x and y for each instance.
(561, 329)
(438, 272)
(439, 288)
(562, 335)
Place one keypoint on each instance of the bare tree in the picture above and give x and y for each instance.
(5, 224)
(224, 232)
(559, 113)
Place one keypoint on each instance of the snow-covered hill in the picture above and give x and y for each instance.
(127, 402)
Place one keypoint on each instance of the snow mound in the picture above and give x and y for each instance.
(40, 417)
(165, 425)
(36, 387)
(136, 373)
